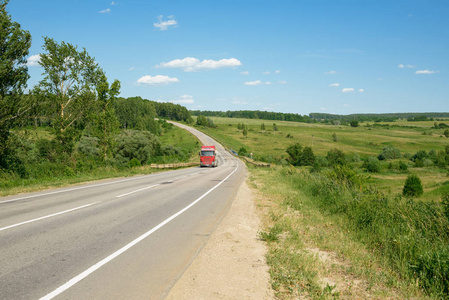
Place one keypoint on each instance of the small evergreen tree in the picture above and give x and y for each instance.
(413, 187)
(262, 127)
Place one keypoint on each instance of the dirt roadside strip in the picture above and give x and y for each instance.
(232, 264)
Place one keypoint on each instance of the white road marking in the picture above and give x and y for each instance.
(145, 188)
(101, 263)
(46, 217)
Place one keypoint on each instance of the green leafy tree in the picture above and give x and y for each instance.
(412, 187)
(262, 127)
(295, 153)
(307, 157)
(354, 123)
(201, 120)
(14, 45)
(446, 133)
(245, 131)
(104, 121)
(69, 89)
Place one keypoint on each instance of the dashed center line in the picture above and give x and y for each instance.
(49, 216)
(145, 188)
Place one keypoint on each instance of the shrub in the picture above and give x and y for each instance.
(372, 165)
(141, 145)
(336, 157)
(88, 146)
(445, 204)
(295, 152)
(446, 133)
(389, 152)
(243, 151)
(412, 187)
(134, 163)
(354, 124)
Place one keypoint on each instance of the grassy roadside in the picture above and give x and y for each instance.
(313, 254)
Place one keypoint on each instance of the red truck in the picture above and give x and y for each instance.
(208, 156)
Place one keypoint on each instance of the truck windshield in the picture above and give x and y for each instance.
(207, 153)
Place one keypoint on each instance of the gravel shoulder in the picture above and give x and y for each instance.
(232, 264)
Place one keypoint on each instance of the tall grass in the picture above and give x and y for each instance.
(413, 236)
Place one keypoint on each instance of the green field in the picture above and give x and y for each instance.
(377, 241)
(361, 141)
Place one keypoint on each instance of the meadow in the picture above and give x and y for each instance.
(359, 142)
(342, 231)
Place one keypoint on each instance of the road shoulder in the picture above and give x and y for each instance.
(232, 264)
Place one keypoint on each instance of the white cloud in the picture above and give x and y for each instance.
(131, 69)
(164, 24)
(334, 84)
(347, 105)
(191, 64)
(114, 3)
(401, 66)
(425, 72)
(277, 71)
(282, 82)
(331, 72)
(347, 90)
(184, 99)
(33, 60)
(361, 90)
(266, 72)
(240, 102)
(105, 11)
(257, 82)
(156, 80)
(244, 73)
(267, 83)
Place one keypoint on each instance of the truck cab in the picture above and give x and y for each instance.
(208, 156)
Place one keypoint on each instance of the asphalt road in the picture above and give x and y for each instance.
(128, 238)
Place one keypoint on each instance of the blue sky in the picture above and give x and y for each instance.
(347, 56)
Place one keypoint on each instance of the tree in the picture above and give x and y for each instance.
(412, 187)
(295, 153)
(262, 127)
(245, 131)
(354, 123)
(446, 133)
(68, 90)
(201, 120)
(104, 120)
(14, 45)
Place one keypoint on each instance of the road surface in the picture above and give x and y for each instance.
(128, 238)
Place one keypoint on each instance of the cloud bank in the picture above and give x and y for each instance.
(191, 64)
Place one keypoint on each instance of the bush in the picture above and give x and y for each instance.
(141, 145)
(412, 187)
(336, 157)
(88, 146)
(372, 165)
(389, 152)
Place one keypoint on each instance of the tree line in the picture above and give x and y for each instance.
(387, 117)
(254, 114)
(74, 102)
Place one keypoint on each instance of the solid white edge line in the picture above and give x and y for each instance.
(101, 263)
(46, 217)
(145, 188)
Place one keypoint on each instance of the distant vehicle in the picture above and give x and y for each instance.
(208, 156)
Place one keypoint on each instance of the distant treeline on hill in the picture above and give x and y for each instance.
(387, 117)
(254, 114)
(135, 112)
